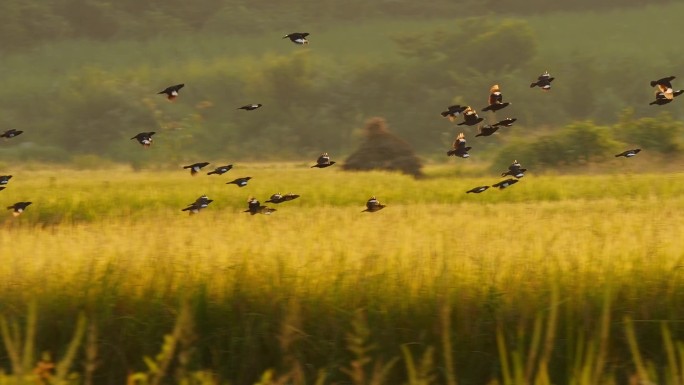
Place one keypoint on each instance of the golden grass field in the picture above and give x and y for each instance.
(540, 281)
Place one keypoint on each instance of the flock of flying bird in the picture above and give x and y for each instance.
(664, 94)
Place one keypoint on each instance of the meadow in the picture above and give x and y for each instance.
(564, 279)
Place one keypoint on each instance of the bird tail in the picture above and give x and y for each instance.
(533, 85)
(212, 172)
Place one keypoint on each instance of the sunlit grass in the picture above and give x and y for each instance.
(114, 242)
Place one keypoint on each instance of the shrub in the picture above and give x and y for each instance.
(383, 150)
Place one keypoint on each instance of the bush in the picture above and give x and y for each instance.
(383, 150)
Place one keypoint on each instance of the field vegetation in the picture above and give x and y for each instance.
(560, 279)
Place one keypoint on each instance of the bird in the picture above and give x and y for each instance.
(199, 204)
(628, 153)
(279, 198)
(196, 167)
(250, 107)
(297, 37)
(254, 207)
(477, 189)
(144, 138)
(664, 85)
(240, 182)
(453, 111)
(662, 97)
(543, 81)
(373, 205)
(11, 133)
(508, 122)
(505, 183)
(171, 91)
(221, 170)
(323, 161)
(18, 208)
(459, 147)
(470, 117)
(515, 170)
(495, 99)
(4, 179)
(487, 130)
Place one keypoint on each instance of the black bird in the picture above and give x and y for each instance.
(196, 167)
(508, 122)
(18, 208)
(279, 198)
(250, 107)
(459, 147)
(144, 138)
(323, 161)
(487, 130)
(11, 133)
(477, 189)
(453, 111)
(470, 117)
(495, 100)
(4, 179)
(664, 83)
(240, 182)
(662, 97)
(628, 153)
(543, 81)
(505, 183)
(172, 91)
(221, 170)
(298, 37)
(199, 204)
(373, 205)
(515, 170)
(254, 207)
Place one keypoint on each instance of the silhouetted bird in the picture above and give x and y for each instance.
(459, 147)
(373, 205)
(297, 37)
(470, 117)
(240, 182)
(505, 183)
(250, 107)
(196, 167)
(279, 198)
(199, 204)
(508, 122)
(254, 207)
(487, 130)
(323, 161)
(515, 170)
(172, 91)
(662, 98)
(144, 138)
(495, 100)
(11, 133)
(4, 179)
(220, 170)
(543, 81)
(453, 112)
(18, 208)
(477, 189)
(629, 153)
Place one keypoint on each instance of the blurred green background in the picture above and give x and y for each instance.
(80, 77)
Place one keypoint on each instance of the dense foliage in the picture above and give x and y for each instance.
(25, 23)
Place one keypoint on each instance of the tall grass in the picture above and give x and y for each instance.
(531, 282)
